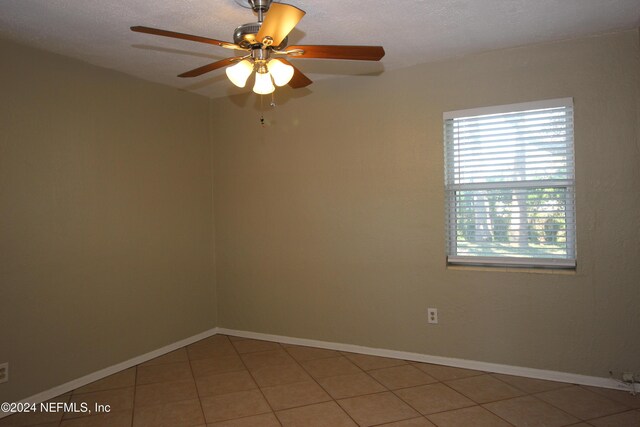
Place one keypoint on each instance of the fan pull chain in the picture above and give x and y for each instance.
(272, 104)
(261, 113)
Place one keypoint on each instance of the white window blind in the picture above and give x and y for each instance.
(509, 183)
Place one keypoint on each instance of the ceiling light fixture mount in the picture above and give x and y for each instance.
(263, 39)
(260, 7)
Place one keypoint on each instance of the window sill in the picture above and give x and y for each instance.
(529, 270)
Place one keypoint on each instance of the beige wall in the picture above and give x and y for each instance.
(105, 218)
(330, 221)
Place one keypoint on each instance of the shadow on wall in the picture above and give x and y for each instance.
(255, 102)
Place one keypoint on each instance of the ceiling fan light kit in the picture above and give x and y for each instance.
(265, 69)
(239, 73)
(263, 85)
(281, 72)
(260, 40)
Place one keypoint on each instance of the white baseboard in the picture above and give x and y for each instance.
(542, 374)
(520, 371)
(95, 376)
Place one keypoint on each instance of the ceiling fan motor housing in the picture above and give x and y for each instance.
(260, 5)
(244, 36)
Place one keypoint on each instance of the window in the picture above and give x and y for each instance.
(509, 183)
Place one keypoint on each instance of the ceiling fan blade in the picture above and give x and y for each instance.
(280, 20)
(210, 67)
(299, 79)
(360, 53)
(172, 34)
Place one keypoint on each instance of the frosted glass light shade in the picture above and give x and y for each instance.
(239, 73)
(281, 72)
(263, 85)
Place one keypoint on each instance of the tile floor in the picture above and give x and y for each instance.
(234, 382)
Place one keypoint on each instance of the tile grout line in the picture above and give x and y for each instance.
(313, 379)
(481, 404)
(327, 391)
(195, 384)
(533, 395)
(491, 401)
(610, 415)
(183, 399)
(62, 417)
(72, 394)
(409, 404)
(421, 417)
(135, 388)
(611, 400)
(320, 385)
(393, 391)
(527, 394)
(253, 378)
(580, 418)
(476, 404)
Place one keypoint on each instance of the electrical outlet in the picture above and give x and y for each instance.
(432, 315)
(4, 372)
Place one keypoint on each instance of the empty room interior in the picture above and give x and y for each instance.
(337, 213)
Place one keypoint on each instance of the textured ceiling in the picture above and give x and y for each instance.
(411, 31)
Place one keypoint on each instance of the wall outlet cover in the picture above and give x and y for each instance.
(432, 315)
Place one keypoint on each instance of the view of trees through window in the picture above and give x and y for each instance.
(509, 182)
(503, 222)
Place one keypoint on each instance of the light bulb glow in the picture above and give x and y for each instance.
(239, 73)
(263, 85)
(281, 72)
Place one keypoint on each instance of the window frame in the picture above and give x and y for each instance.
(452, 257)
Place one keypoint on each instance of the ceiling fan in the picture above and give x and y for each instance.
(264, 44)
